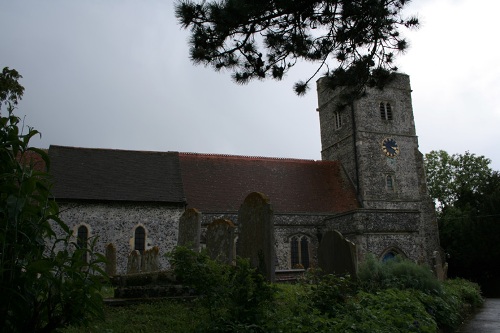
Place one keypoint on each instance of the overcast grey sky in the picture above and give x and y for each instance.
(116, 74)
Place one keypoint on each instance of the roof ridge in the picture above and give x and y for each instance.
(112, 149)
(248, 157)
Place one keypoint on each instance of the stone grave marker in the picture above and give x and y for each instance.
(150, 261)
(134, 262)
(190, 229)
(440, 269)
(256, 234)
(110, 259)
(220, 240)
(337, 255)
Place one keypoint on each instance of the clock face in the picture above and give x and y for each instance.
(390, 147)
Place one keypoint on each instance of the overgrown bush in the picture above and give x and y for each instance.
(467, 292)
(385, 311)
(397, 273)
(296, 309)
(45, 282)
(236, 296)
(448, 303)
(331, 292)
(293, 311)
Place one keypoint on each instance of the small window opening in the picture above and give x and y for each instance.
(338, 120)
(389, 181)
(82, 238)
(140, 239)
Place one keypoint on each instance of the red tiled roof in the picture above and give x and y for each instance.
(220, 183)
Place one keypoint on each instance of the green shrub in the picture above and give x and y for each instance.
(468, 292)
(293, 312)
(386, 311)
(331, 292)
(444, 308)
(235, 296)
(397, 273)
(456, 301)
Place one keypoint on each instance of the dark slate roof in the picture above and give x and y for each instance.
(116, 175)
(220, 183)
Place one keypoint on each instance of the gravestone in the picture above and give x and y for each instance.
(150, 262)
(256, 234)
(337, 255)
(134, 262)
(440, 269)
(110, 259)
(220, 240)
(189, 229)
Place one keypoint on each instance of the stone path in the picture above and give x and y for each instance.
(486, 320)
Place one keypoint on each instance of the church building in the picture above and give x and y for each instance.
(370, 186)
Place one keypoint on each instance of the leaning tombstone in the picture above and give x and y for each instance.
(256, 234)
(337, 255)
(220, 240)
(190, 229)
(134, 262)
(110, 259)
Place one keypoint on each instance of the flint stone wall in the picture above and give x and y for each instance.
(377, 231)
(285, 227)
(115, 223)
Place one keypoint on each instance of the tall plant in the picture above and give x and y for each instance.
(45, 281)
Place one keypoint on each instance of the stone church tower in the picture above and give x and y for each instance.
(375, 140)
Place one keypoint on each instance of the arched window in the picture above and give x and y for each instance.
(82, 238)
(140, 239)
(385, 111)
(389, 256)
(299, 252)
(391, 253)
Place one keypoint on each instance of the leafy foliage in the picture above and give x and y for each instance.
(331, 293)
(235, 296)
(450, 308)
(467, 193)
(257, 39)
(455, 178)
(293, 310)
(396, 273)
(386, 311)
(45, 283)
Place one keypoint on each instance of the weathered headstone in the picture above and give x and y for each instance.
(337, 255)
(256, 233)
(440, 269)
(110, 259)
(150, 262)
(189, 229)
(220, 240)
(134, 262)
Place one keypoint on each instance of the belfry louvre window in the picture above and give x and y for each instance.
(299, 252)
(140, 239)
(338, 120)
(385, 111)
